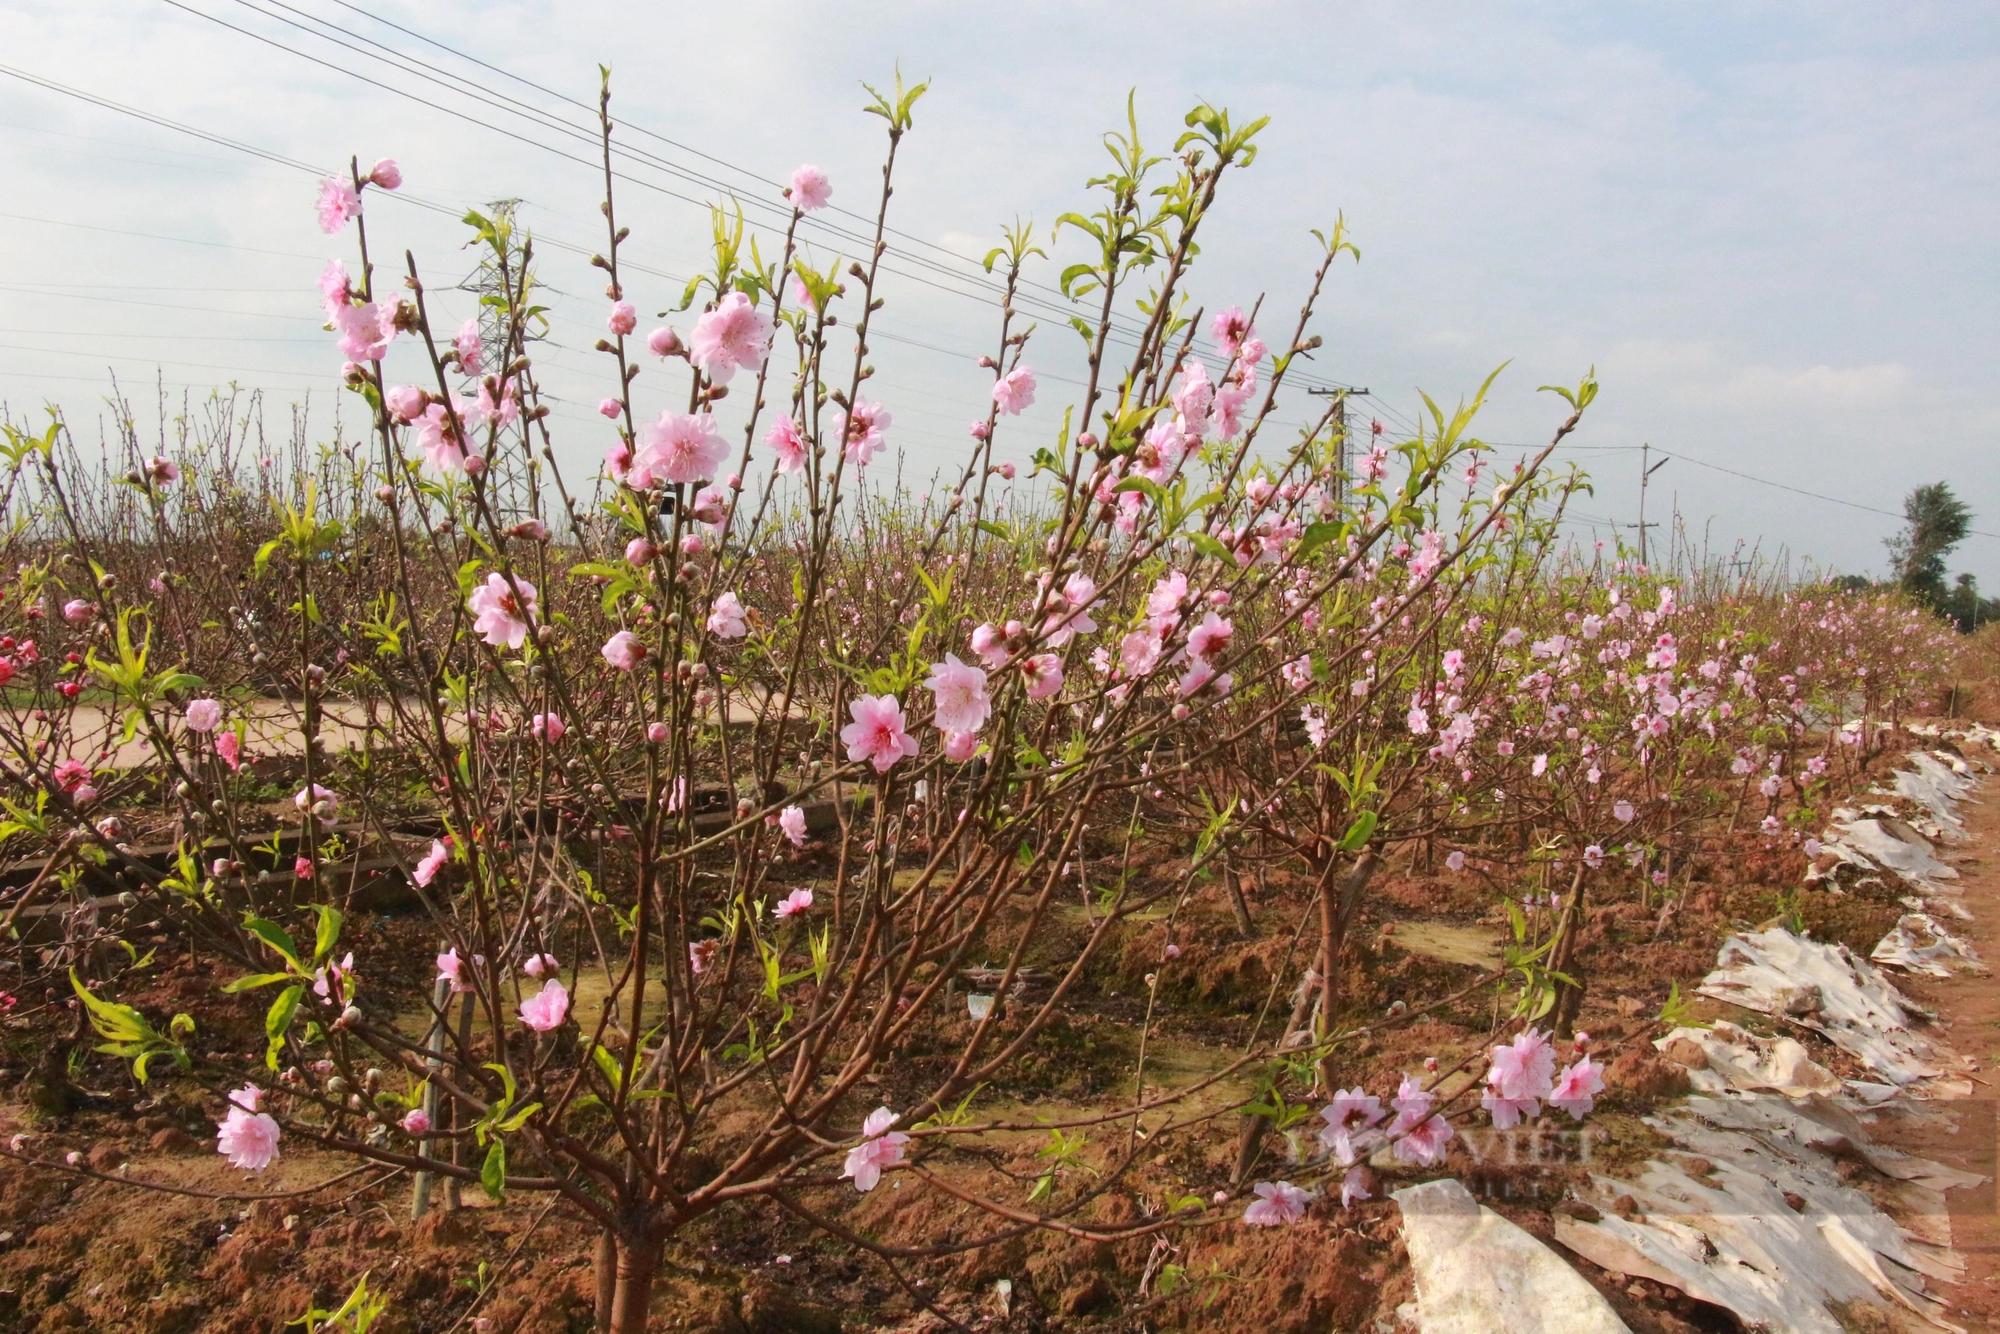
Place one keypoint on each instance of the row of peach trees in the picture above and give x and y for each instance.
(622, 705)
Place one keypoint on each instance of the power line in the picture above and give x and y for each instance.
(406, 197)
(514, 106)
(1801, 491)
(149, 236)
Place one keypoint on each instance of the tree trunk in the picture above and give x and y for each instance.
(1335, 918)
(1562, 959)
(604, 1269)
(1336, 912)
(638, 1261)
(1233, 879)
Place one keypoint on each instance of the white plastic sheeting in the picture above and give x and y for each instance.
(1920, 945)
(1891, 844)
(1824, 987)
(1937, 782)
(1725, 1059)
(1749, 1211)
(1477, 1273)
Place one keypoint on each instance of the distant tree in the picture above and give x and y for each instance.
(1968, 608)
(1937, 521)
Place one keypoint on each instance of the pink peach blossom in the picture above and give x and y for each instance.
(1230, 328)
(1277, 1203)
(623, 650)
(877, 733)
(734, 336)
(439, 440)
(726, 618)
(246, 1137)
(683, 448)
(1575, 1092)
(1015, 391)
(1210, 637)
(405, 403)
(962, 704)
(338, 201)
(793, 904)
(470, 354)
(452, 969)
(545, 1010)
(365, 330)
(989, 642)
(792, 820)
(1424, 1143)
(333, 293)
(622, 319)
(790, 447)
(880, 1148)
(1045, 675)
(501, 610)
(433, 861)
(320, 800)
(810, 188)
(861, 430)
(1139, 652)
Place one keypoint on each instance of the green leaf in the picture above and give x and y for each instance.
(277, 938)
(329, 932)
(607, 1065)
(253, 981)
(518, 1119)
(493, 1175)
(1209, 547)
(278, 1019)
(1316, 536)
(1359, 832)
(1145, 486)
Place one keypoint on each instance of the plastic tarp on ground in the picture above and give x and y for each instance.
(1748, 1210)
(1477, 1273)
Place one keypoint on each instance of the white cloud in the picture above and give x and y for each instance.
(1710, 373)
(1768, 226)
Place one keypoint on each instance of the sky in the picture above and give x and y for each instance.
(1768, 226)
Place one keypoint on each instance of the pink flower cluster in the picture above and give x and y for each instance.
(879, 1149)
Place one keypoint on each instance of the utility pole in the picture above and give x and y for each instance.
(1645, 475)
(1340, 397)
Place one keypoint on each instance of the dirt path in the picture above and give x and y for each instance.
(1965, 1134)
